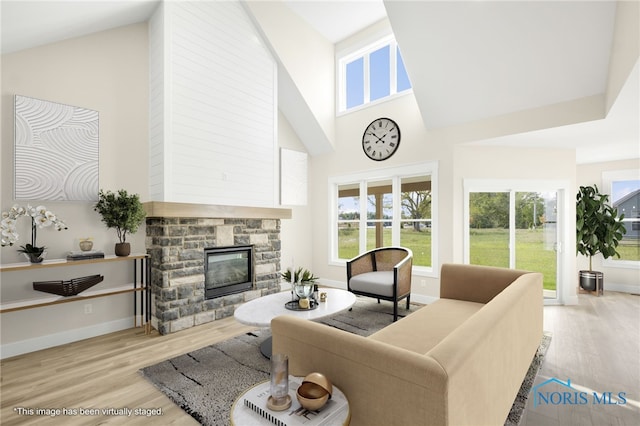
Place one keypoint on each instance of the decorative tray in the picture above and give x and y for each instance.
(293, 306)
(70, 287)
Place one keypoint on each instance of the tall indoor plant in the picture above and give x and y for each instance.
(599, 229)
(123, 212)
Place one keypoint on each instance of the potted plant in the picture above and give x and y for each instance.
(302, 281)
(123, 212)
(599, 229)
(40, 218)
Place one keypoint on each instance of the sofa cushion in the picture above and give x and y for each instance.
(425, 328)
(377, 282)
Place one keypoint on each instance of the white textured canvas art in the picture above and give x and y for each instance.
(56, 151)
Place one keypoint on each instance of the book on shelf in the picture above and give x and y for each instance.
(83, 255)
(335, 409)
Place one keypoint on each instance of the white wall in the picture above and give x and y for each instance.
(615, 278)
(107, 72)
(295, 233)
(214, 138)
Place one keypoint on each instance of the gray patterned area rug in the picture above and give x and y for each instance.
(206, 382)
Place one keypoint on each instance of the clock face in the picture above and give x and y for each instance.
(381, 139)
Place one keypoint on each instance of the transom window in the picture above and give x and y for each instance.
(370, 74)
(396, 208)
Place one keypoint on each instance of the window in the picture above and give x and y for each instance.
(370, 74)
(624, 189)
(396, 207)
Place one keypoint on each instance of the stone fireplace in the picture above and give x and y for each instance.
(177, 236)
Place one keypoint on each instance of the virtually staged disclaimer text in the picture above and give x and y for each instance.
(57, 412)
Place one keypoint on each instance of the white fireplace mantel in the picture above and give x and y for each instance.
(175, 210)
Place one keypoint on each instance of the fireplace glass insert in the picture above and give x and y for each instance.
(227, 270)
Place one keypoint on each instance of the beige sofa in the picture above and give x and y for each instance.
(457, 361)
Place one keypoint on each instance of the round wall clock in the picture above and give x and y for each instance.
(381, 139)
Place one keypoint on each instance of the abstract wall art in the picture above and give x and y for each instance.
(56, 151)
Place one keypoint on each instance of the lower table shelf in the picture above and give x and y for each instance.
(20, 305)
(139, 286)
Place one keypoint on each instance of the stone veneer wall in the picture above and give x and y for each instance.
(176, 250)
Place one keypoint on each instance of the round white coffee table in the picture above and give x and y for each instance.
(259, 312)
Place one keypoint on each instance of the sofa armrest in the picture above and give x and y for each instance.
(372, 374)
(475, 283)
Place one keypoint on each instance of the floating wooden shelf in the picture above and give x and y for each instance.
(52, 263)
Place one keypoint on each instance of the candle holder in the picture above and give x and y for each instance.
(279, 386)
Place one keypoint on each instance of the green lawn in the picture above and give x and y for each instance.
(418, 242)
(629, 250)
(488, 247)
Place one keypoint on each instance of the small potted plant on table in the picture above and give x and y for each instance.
(123, 212)
(302, 282)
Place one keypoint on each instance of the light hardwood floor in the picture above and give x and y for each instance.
(596, 344)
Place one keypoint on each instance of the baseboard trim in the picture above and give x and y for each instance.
(622, 288)
(38, 343)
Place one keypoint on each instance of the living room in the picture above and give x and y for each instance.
(109, 71)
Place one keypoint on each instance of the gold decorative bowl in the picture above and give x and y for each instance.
(311, 396)
(314, 392)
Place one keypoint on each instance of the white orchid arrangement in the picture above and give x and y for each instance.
(40, 218)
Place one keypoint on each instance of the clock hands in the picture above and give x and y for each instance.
(380, 139)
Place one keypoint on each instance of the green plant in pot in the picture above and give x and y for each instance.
(123, 212)
(302, 281)
(599, 229)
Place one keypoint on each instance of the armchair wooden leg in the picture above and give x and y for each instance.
(408, 298)
(395, 310)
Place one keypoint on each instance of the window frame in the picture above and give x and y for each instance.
(345, 57)
(608, 178)
(395, 175)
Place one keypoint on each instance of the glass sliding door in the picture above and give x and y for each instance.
(536, 236)
(514, 229)
(489, 228)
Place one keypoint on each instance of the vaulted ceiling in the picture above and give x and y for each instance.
(473, 62)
